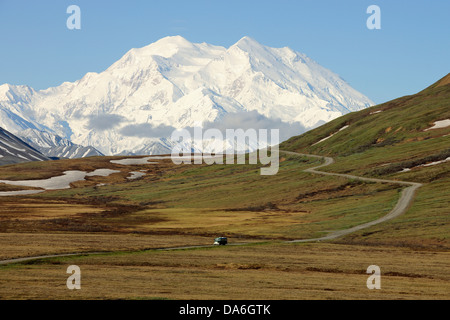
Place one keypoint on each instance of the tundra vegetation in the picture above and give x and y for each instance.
(125, 222)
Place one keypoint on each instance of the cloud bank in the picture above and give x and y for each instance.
(240, 120)
(104, 122)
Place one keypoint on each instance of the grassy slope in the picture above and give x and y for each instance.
(382, 144)
(392, 136)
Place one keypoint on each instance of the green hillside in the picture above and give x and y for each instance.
(382, 141)
(386, 138)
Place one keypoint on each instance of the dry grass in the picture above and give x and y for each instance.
(27, 209)
(7, 187)
(272, 271)
(16, 245)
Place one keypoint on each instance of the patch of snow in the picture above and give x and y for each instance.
(7, 151)
(11, 146)
(86, 153)
(60, 182)
(132, 161)
(31, 155)
(344, 127)
(136, 175)
(178, 158)
(428, 164)
(21, 156)
(54, 183)
(101, 172)
(440, 124)
(436, 162)
(375, 112)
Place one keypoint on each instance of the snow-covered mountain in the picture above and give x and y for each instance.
(134, 105)
(14, 150)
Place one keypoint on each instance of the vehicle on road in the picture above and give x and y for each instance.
(220, 241)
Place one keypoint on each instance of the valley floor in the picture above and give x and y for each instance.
(124, 224)
(259, 271)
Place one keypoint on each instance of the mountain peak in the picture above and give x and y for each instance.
(247, 39)
(247, 42)
(165, 47)
(178, 40)
(4, 88)
(14, 91)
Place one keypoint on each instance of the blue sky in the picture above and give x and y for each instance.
(411, 51)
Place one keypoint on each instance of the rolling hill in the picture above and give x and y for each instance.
(384, 139)
(405, 139)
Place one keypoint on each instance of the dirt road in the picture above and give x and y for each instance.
(402, 205)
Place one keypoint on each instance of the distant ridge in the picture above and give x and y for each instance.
(14, 150)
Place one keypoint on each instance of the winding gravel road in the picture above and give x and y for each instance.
(406, 199)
